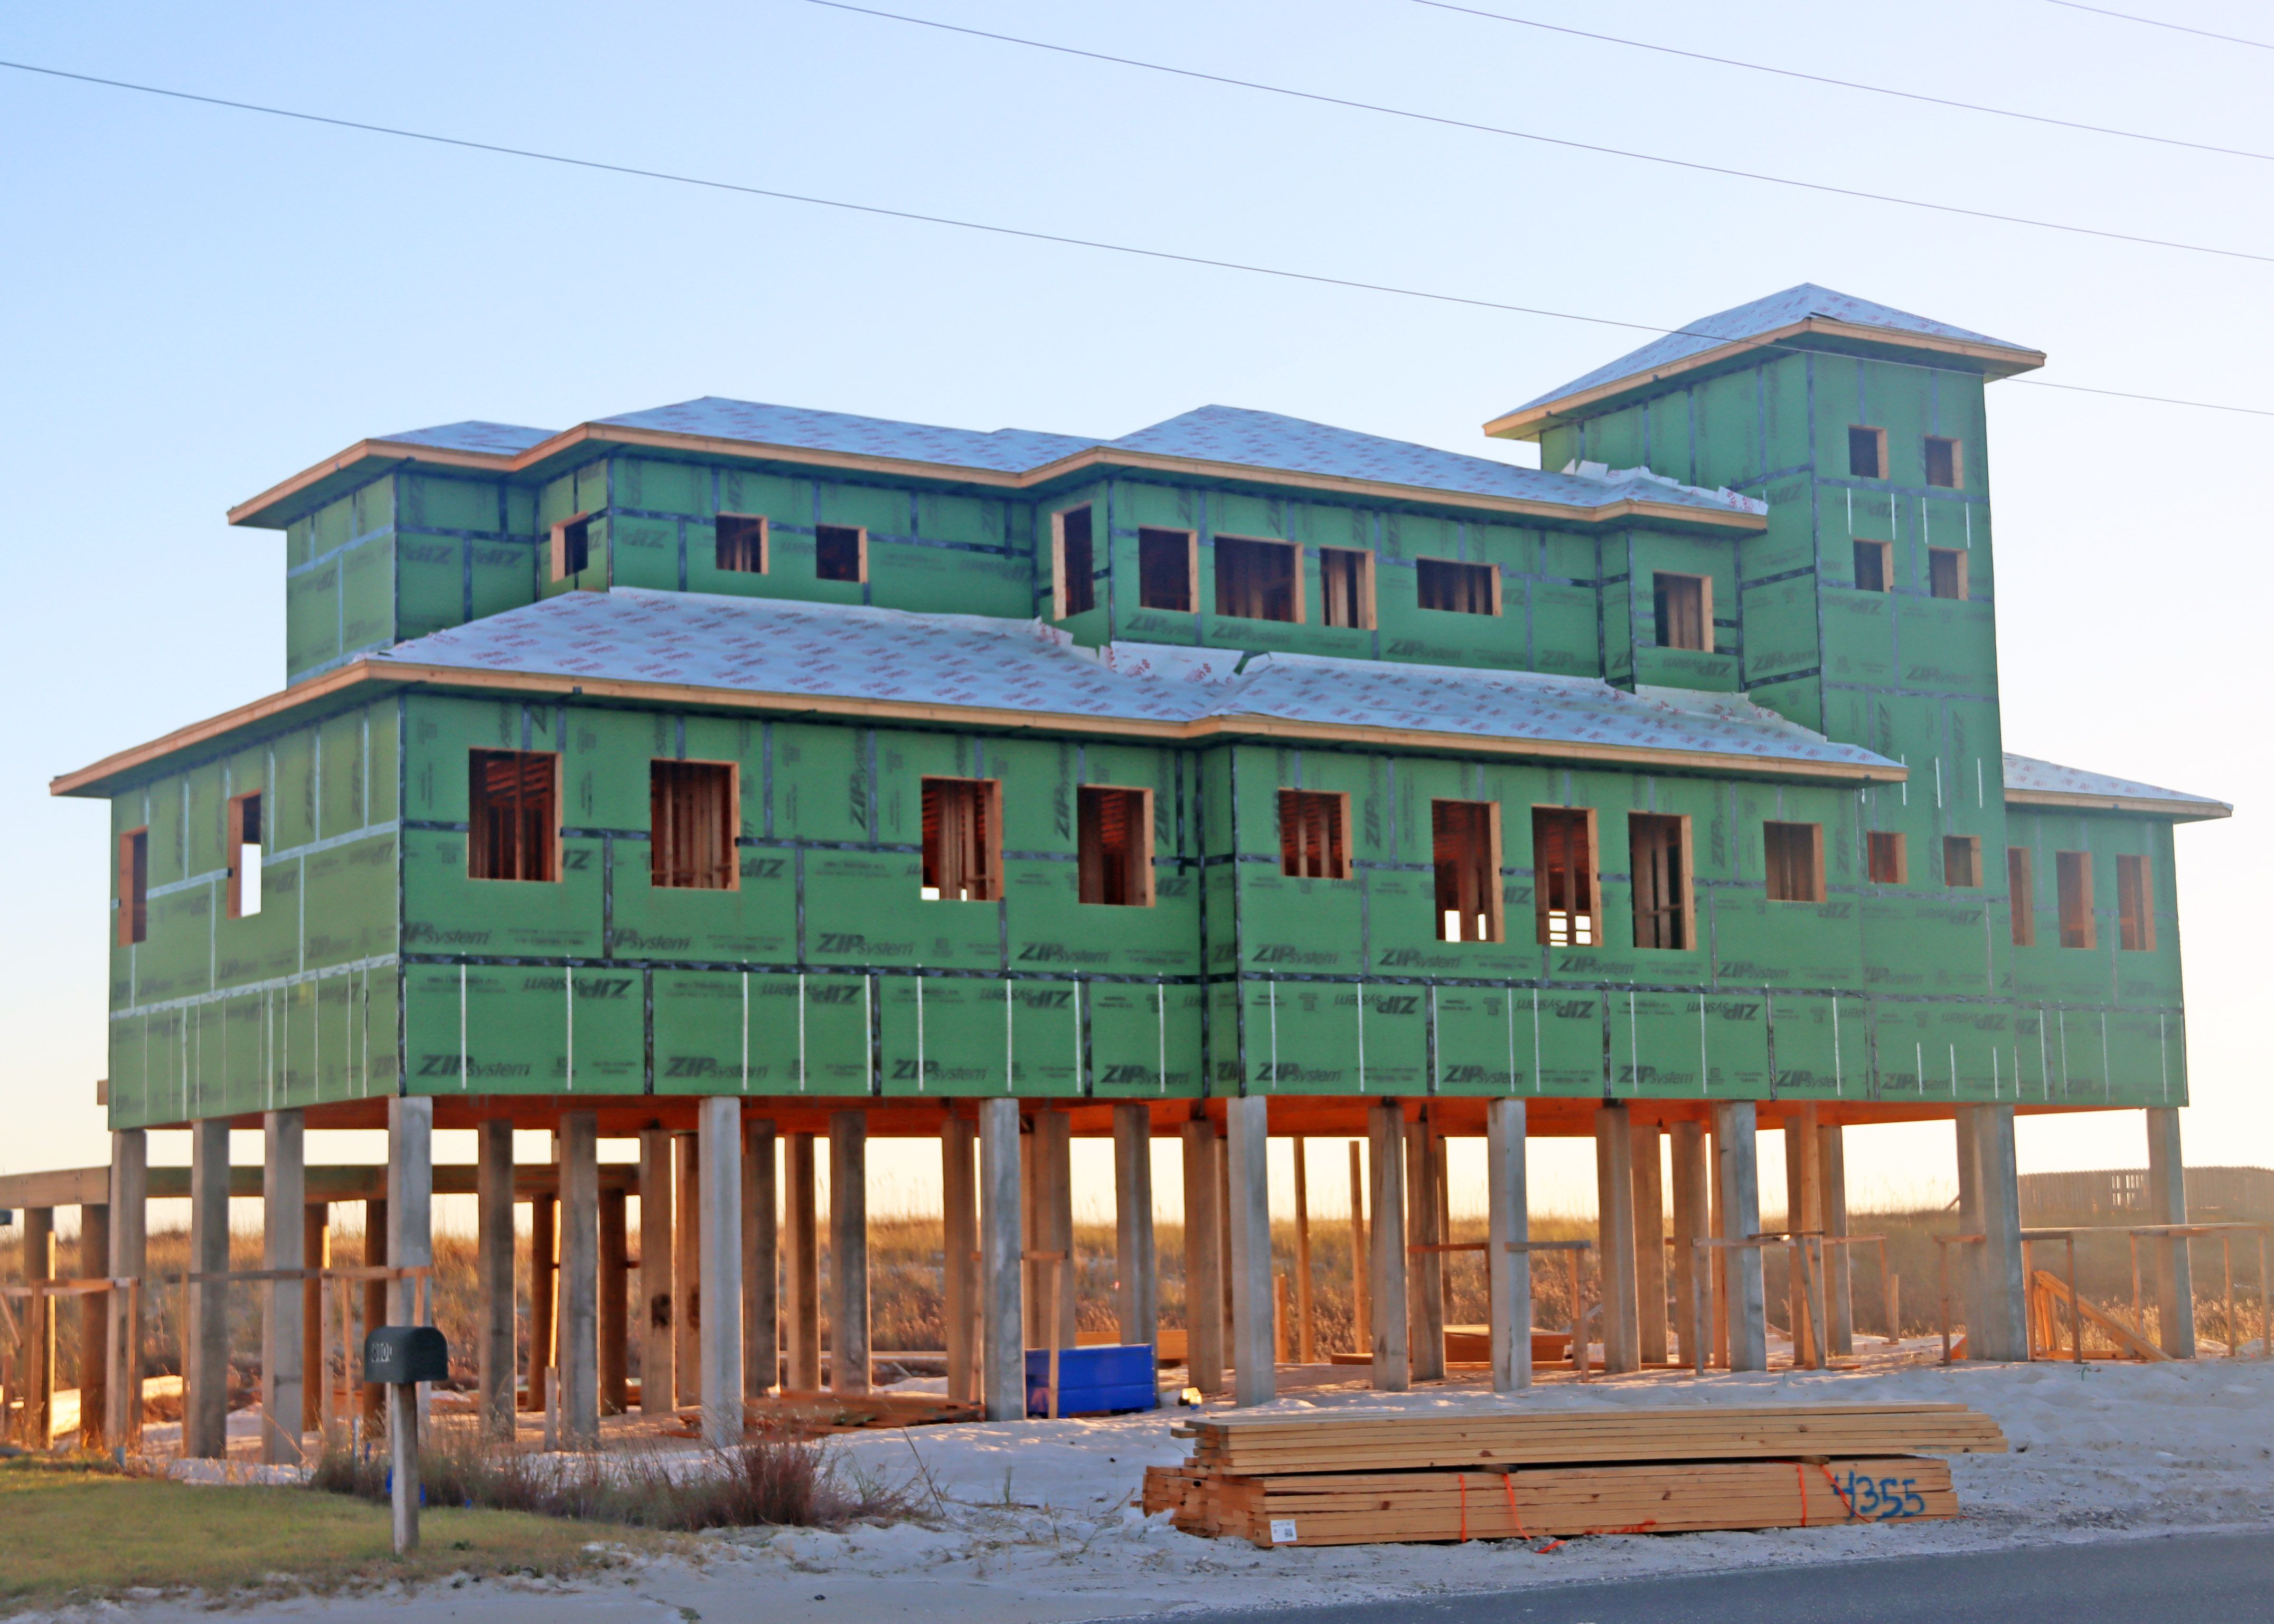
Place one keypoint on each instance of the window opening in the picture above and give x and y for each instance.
(1684, 607)
(1313, 845)
(1257, 580)
(691, 825)
(133, 887)
(1794, 859)
(1346, 587)
(1961, 861)
(244, 898)
(2021, 895)
(1077, 568)
(1945, 464)
(1945, 568)
(1889, 862)
(1867, 453)
(742, 543)
(1874, 561)
(513, 823)
(961, 841)
(2073, 879)
(1116, 846)
(1659, 849)
(572, 547)
(1563, 876)
(1164, 570)
(1461, 589)
(2135, 906)
(840, 552)
(1465, 838)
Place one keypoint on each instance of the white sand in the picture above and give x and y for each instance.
(1037, 1519)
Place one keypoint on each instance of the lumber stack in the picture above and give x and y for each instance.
(1361, 1479)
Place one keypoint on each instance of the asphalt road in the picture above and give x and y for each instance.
(2181, 1578)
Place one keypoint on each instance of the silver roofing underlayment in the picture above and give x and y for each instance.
(1768, 315)
(849, 652)
(2031, 777)
(1263, 441)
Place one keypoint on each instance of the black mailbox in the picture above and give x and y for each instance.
(396, 1354)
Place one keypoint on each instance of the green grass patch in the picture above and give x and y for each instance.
(68, 1530)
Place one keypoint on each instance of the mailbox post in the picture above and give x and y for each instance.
(399, 1357)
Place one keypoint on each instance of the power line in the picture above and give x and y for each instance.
(1281, 273)
(2158, 22)
(1550, 141)
(1849, 84)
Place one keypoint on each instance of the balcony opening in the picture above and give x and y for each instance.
(513, 823)
(1657, 848)
(1563, 876)
(1116, 846)
(1465, 840)
(692, 824)
(962, 840)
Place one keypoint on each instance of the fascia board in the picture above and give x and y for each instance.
(1530, 422)
(2141, 805)
(96, 779)
(293, 496)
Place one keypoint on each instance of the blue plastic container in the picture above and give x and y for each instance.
(1099, 1379)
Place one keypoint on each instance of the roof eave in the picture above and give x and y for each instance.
(2188, 811)
(283, 503)
(1530, 422)
(101, 778)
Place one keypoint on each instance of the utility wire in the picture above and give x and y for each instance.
(1316, 279)
(2158, 22)
(1849, 84)
(1550, 141)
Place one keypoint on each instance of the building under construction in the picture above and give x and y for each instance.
(743, 779)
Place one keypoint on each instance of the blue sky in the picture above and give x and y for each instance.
(201, 302)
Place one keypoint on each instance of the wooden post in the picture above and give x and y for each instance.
(1246, 1157)
(94, 1325)
(315, 1360)
(1306, 1341)
(848, 1251)
(615, 1289)
(1002, 1357)
(1423, 1271)
(409, 1202)
(1616, 1238)
(1650, 1244)
(761, 1298)
(495, 1319)
(1966, 1266)
(130, 1245)
(686, 1267)
(1832, 1162)
(801, 1266)
(1393, 1353)
(579, 1359)
(1361, 1316)
(39, 1323)
(1507, 1270)
(1137, 1300)
(1204, 1326)
(1049, 1227)
(1803, 1184)
(2167, 1203)
(719, 1141)
(1691, 1224)
(1738, 1175)
(283, 1199)
(958, 1188)
(371, 1402)
(543, 1284)
(204, 1408)
(659, 1372)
